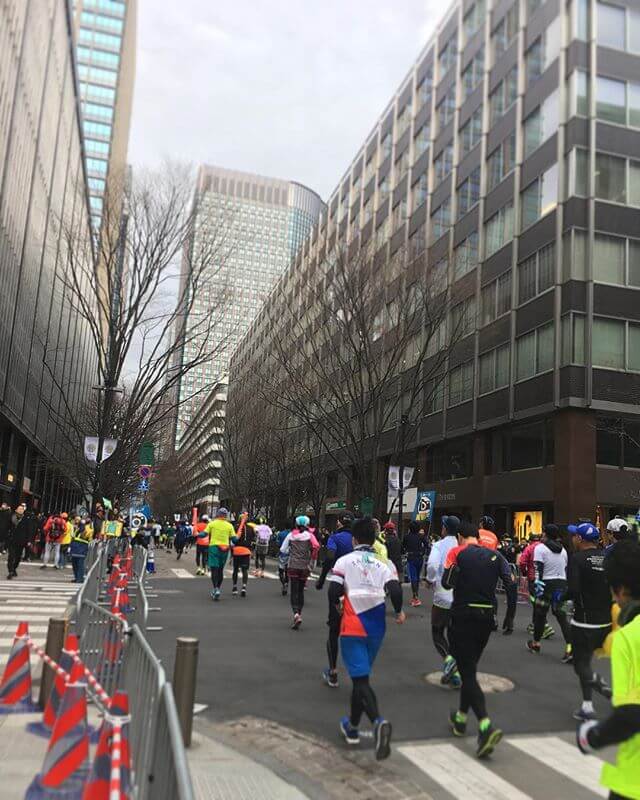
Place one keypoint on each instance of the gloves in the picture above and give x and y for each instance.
(538, 587)
(582, 736)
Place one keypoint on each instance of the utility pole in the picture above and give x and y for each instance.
(404, 418)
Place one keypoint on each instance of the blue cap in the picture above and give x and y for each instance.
(451, 523)
(586, 531)
(302, 520)
(222, 512)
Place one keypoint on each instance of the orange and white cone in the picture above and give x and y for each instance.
(66, 664)
(110, 777)
(66, 763)
(15, 686)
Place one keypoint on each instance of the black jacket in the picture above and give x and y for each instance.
(22, 529)
(394, 549)
(5, 524)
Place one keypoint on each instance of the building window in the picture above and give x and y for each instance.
(469, 192)
(499, 229)
(465, 256)
(609, 339)
(573, 332)
(494, 369)
(386, 145)
(543, 52)
(579, 17)
(419, 191)
(434, 395)
(443, 164)
(446, 109)
(540, 197)
(447, 57)
(616, 30)
(503, 96)
(496, 298)
(441, 220)
(463, 318)
(461, 384)
(424, 90)
(505, 32)
(616, 260)
(617, 101)
(541, 124)
(535, 352)
(471, 132)
(473, 19)
(536, 274)
(501, 161)
(472, 74)
(421, 141)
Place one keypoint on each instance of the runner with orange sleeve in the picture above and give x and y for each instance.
(202, 545)
(241, 552)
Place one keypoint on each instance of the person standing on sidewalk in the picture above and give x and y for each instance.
(361, 580)
(19, 535)
(79, 549)
(221, 537)
(301, 547)
(5, 526)
(339, 544)
(394, 547)
(54, 529)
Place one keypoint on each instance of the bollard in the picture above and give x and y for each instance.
(56, 632)
(184, 683)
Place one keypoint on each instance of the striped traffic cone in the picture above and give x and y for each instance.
(45, 726)
(99, 783)
(15, 686)
(66, 763)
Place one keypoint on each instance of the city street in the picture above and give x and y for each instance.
(260, 680)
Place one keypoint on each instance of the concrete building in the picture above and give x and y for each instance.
(200, 454)
(509, 154)
(45, 349)
(263, 222)
(106, 56)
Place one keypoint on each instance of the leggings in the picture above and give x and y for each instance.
(551, 600)
(334, 636)
(297, 594)
(261, 557)
(439, 627)
(584, 641)
(413, 568)
(239, 564)
(363, 699)
(282, 574)
(469, 634)
(217, 574)
(202, 554)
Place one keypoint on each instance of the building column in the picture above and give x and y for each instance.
(575, 465)
(479, 460)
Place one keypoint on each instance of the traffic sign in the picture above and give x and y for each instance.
(143, 486)
(138, 520)
(144, 471)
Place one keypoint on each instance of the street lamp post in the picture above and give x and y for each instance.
(404, 418)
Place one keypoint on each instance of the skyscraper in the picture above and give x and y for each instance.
(106, 55)
(45, 348)
(266, 222)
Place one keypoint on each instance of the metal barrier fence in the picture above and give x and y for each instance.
(169, 775)
(102, 638)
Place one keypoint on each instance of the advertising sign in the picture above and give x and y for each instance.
(408, 501)
(525, 523)
(394, 478)
(425, 503)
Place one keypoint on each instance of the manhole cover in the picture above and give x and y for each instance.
(488, 683)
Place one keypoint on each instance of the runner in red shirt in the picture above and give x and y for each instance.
(486, 535)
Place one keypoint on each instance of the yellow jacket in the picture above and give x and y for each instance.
(68, 533)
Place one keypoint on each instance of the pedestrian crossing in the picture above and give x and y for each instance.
(521, 768)
(34, 602)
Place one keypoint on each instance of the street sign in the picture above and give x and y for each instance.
(143, 486)
(145, 453)
(144, 471)
(336, 505)
(138, 520)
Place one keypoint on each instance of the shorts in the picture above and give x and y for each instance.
(414, 568)
(243, 562)
(298, 574)
(217, 556)
(440, 617)
(359, 653)
(262, 548)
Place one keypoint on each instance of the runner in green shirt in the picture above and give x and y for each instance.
(622, 568)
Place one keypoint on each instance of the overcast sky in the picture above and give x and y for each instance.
(285, 88)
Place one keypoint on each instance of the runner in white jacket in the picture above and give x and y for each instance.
(442, 598)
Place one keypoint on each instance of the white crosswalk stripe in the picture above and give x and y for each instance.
(522, 768)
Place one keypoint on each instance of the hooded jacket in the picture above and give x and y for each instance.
(302, 547)
(550, 560)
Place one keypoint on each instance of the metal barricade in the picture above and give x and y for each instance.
(102, 638)
(169, 777)
(142, 678)
(139, 561)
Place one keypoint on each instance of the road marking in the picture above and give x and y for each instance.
(198, 707)
(563, 758)
(182, 573)
(462, 776)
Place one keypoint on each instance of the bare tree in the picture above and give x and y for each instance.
(151, 293)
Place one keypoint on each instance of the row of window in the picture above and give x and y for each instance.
(93, 56)
(96, 129)
(97, 39)
(90, 73)
(101, 20)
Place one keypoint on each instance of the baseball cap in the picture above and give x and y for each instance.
(346, 517)
(302, 520)
(222, 512)
(389, 526)
(451, 523)
(614, 525)
(586, 531)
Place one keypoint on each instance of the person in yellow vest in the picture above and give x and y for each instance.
(221, 537)
(202, 545)
(82, 535)
(65, 541)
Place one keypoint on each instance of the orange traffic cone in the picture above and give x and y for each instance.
(67, 664)
(15, 686)
(66, 763)
(98, 785)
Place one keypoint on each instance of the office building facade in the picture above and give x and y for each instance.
(45, 348)
(509, 156)
(106, 56)
(257, 225)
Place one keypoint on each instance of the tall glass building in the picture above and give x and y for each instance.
(105, 50)
(264, 221)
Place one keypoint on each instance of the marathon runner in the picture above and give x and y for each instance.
(241, 553)
(622, 726)
(221, 536)
(394, 547)
(472, 572)
(618, 530)
(527, 570)
(550, 587)
(301, 547)
(339, 544)
(588, 588)
(202, 545)
(360, 579)
(263, 537)
(442, 598)
(283, 560)
(486, 533)
(414, 545)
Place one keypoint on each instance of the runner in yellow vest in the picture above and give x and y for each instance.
(221, 537)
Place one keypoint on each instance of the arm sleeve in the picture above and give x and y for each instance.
(620, 725)
(336, 590)
(538, 564)
(573, 580)
(449, 576)
(510, 586)
(284, 547)
(395, 594)
(327, 564)
(433, 564)
(315, 546)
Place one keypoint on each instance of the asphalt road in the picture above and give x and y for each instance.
(252, 663)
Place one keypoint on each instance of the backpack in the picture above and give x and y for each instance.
(58, 528)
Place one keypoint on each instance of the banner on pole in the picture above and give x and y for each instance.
(425, 503)
(394, 478)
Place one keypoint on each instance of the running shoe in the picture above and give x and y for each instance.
(382, 734)
(284, 591)
(213, 595)
(415, 602)
(533, 647)
(567, 658)
(217, 594)
(487, 740)
(330, 678)
(458, 728)
(351, 735)
(456, 680)
(297, 621)
(243, 591)
(530, 629)
(234, 590)
(448, 669)
(597, 682)
(584, 716)
(548, 632)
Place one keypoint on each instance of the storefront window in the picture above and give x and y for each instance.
(528, 446)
